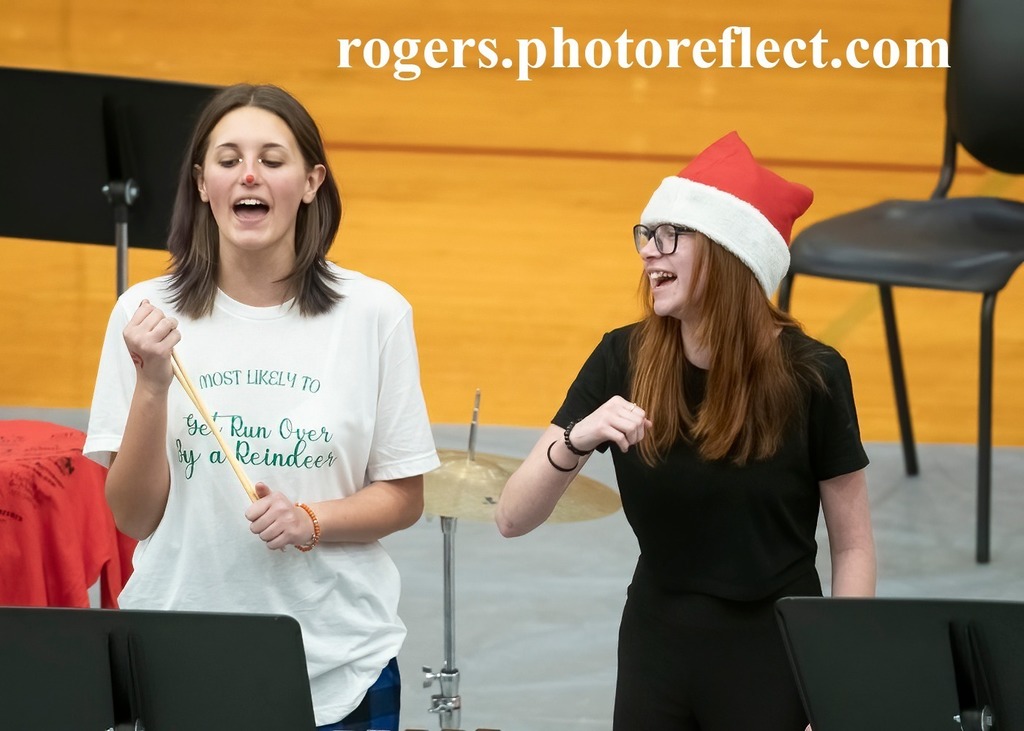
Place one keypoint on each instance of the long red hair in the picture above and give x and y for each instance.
(754, 385)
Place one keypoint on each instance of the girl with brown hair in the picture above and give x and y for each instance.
(311, 373)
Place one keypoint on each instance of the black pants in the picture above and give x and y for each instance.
(692, 662)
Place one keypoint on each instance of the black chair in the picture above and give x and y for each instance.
(959, 244)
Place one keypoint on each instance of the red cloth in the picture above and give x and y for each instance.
(57, 535)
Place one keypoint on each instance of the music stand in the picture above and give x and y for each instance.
(907, 664)
(82, 149)
(104, 670)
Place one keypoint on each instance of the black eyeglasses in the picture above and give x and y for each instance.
(665, 235)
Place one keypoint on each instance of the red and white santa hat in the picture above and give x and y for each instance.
(727, 196)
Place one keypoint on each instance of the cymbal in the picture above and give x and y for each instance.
(469, 490)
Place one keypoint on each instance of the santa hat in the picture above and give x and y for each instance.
(727, 196)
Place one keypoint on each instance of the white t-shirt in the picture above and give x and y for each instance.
(316, 407)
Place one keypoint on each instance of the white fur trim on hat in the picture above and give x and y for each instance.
(727, 220)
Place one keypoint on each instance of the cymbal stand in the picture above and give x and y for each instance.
(448, 704)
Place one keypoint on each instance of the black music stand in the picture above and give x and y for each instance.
(907, 664)
(114, 670)
(80, 150)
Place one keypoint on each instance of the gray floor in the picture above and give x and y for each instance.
(536, 617)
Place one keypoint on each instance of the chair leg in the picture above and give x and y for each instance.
(898, 382)
(988, 306)
(786, 291)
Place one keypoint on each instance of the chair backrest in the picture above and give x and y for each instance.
(985, 82)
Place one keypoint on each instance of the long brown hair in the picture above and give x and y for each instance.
(194, 237)
(754, 384)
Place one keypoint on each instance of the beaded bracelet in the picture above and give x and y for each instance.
(568, 443)
(552, 462)
(315, 538)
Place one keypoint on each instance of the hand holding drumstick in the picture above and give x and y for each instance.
(276, 520)
(151, 337)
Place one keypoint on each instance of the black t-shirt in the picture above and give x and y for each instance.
(712, 527)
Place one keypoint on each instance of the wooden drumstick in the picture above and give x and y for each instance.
(186, 383)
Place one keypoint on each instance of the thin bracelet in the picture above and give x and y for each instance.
(552, 462)
(315, 538)
(568, 443)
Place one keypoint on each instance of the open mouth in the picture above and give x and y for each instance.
(660, 279)
(251, 209)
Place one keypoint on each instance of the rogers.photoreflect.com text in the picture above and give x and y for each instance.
(738, 47)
